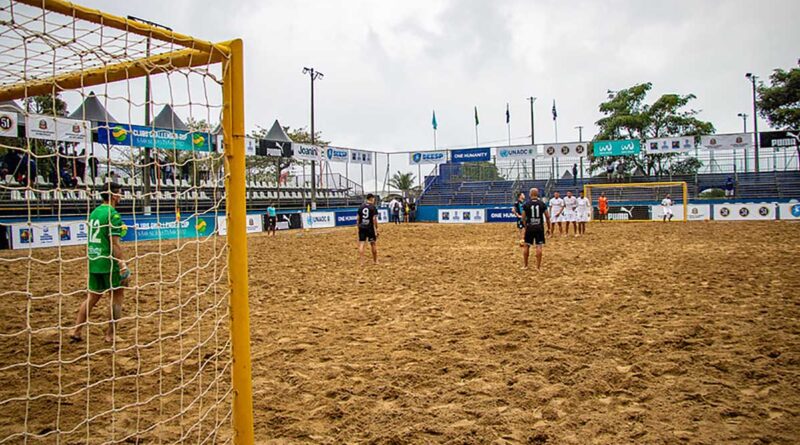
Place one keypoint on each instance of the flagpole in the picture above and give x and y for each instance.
(508, 124)
(555, 124)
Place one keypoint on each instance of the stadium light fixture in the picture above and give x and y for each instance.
(313, 75)
(744, 121)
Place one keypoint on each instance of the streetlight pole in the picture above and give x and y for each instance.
(148, 103)
(752, 77)
(313, 75)
(744, 121)
(533, 138)
(580, 132)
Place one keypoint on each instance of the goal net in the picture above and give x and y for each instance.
(89, 101)
(638, 201)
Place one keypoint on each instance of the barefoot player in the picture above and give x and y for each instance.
(584, 207)
(107, 269)
(535, 216)
(569, 215)
(368, 228)
(602, 206)
(517, 209)
(666, 207)
(556, 209)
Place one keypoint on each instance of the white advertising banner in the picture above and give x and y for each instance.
(427, 157)
(669, 145)
(697, 212)
(336, 154)
(563, 150)
(57, 129)
(360, 157)
(255, 224)
(8, 124)
(462, 216)
(516, 152)
(789, 210)
(745, 212)
(306, 152)
(249, 146)
(383, 216)
(49, 234)
(318, 220)
(727, 141)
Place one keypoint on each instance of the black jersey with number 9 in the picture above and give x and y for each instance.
(366, 215)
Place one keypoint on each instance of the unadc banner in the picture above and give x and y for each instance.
(482, 154)
(516, 152)
(622, 147)
(149, 137)
(669, 145)
(727, 141)
(427, 157)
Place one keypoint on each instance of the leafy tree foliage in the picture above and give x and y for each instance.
(779, 103)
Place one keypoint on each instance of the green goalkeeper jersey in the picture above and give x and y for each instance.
(104, 222)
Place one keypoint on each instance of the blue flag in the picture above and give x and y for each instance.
(433, 121)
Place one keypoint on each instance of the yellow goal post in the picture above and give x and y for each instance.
(638, 201)
(54, 47)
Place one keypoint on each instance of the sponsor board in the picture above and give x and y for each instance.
(461, 216)
(789, 210)
(669, 145)
(500, 214)
(8, 124)
(49, 234)
(624, 213)
(361, 157)
(561, 150)
(306, 152)
(427, 157)
(150, 137)
(383, 216)
(57, 129)
(164, 227)
(482, 154)
(335, 154)
(516, 152)
(727, 141)
(622, 147)
(318, 220)
(347, 218)
(697, 212)
(779, 139)
(250, 146)
(255, 223)
(745, 212)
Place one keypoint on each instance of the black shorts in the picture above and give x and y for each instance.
(519, 224)
(534, 235)
(272, 221)
(367, 234)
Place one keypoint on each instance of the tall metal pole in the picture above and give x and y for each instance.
(580, 133)
(533, 138)
(753, 79)
(313, 75)
(744, 121)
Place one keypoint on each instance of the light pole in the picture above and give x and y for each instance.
(148, 103)
(580, 132)
(752, 77)
(744, 121)
(313, 75)
(532, 99)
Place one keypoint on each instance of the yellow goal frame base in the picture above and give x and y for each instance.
(195, 52)
(587, 192)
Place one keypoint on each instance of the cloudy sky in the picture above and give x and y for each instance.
(388, 64)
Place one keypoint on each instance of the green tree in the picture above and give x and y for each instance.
(50, 105)
(403, 182)
(628, 116)
(779, 103)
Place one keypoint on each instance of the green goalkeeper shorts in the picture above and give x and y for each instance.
(105, 281)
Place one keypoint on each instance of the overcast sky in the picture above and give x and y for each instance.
(388, 64)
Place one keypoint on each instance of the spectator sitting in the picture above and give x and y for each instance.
(67, 181)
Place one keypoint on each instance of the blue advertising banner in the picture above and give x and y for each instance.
(149, 137)
(500, 214)
(471, 155)
(155, 228)
(336, 154)
(347, 218)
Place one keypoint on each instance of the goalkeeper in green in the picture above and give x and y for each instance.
(107, 269)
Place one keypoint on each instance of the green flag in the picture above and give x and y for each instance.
(476, 117)
(433, 121)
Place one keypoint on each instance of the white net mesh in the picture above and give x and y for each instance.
(637, 202)
(165, 375)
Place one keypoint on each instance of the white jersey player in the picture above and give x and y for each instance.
(584, 207)
(666, 207)
(570, 208)
(556, 212)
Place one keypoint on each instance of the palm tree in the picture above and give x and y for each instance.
(403, 182)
